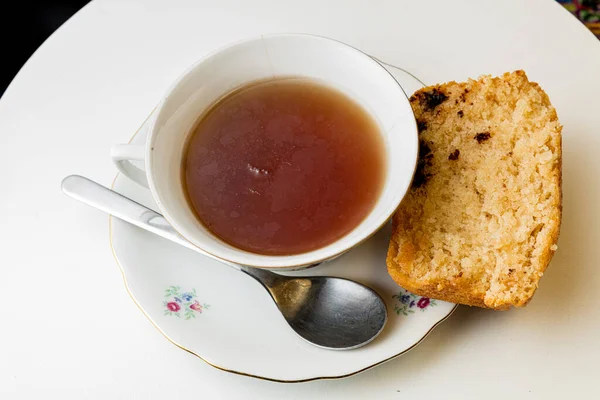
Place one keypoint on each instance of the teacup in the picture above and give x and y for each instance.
(269, 56)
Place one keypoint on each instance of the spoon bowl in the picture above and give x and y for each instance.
(333, 313)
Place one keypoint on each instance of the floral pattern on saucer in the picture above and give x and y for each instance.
(182, 302)
(407, 302)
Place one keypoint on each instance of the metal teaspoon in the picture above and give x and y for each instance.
(328, 312)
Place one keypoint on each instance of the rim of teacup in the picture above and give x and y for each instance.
(277, 262)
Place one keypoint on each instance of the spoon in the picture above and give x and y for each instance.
(328, 312)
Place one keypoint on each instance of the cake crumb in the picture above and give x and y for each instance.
(482, 230)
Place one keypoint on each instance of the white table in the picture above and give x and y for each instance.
(69, 329)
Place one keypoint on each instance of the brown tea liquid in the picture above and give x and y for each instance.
(283, 167)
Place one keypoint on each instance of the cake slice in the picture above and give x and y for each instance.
(481, 220)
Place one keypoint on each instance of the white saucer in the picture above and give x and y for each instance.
(229, 321)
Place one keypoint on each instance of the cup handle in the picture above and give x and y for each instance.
(123, 154)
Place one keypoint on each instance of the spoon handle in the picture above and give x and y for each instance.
(117, 205)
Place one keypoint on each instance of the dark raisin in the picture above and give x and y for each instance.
(434, 98)
(461, 113)
(424, 149)
(419, 178)
(454, 155)
(424, 160)
(421, 126)
(482, 137)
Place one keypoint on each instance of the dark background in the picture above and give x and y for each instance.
(24, 25)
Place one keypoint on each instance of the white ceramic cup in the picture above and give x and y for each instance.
(331, 62)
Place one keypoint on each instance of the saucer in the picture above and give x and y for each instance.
(229, 321)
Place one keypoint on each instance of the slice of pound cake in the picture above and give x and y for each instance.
(481, 220)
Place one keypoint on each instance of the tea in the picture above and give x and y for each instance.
(284, 166)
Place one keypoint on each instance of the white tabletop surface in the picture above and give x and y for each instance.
(70, 330)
